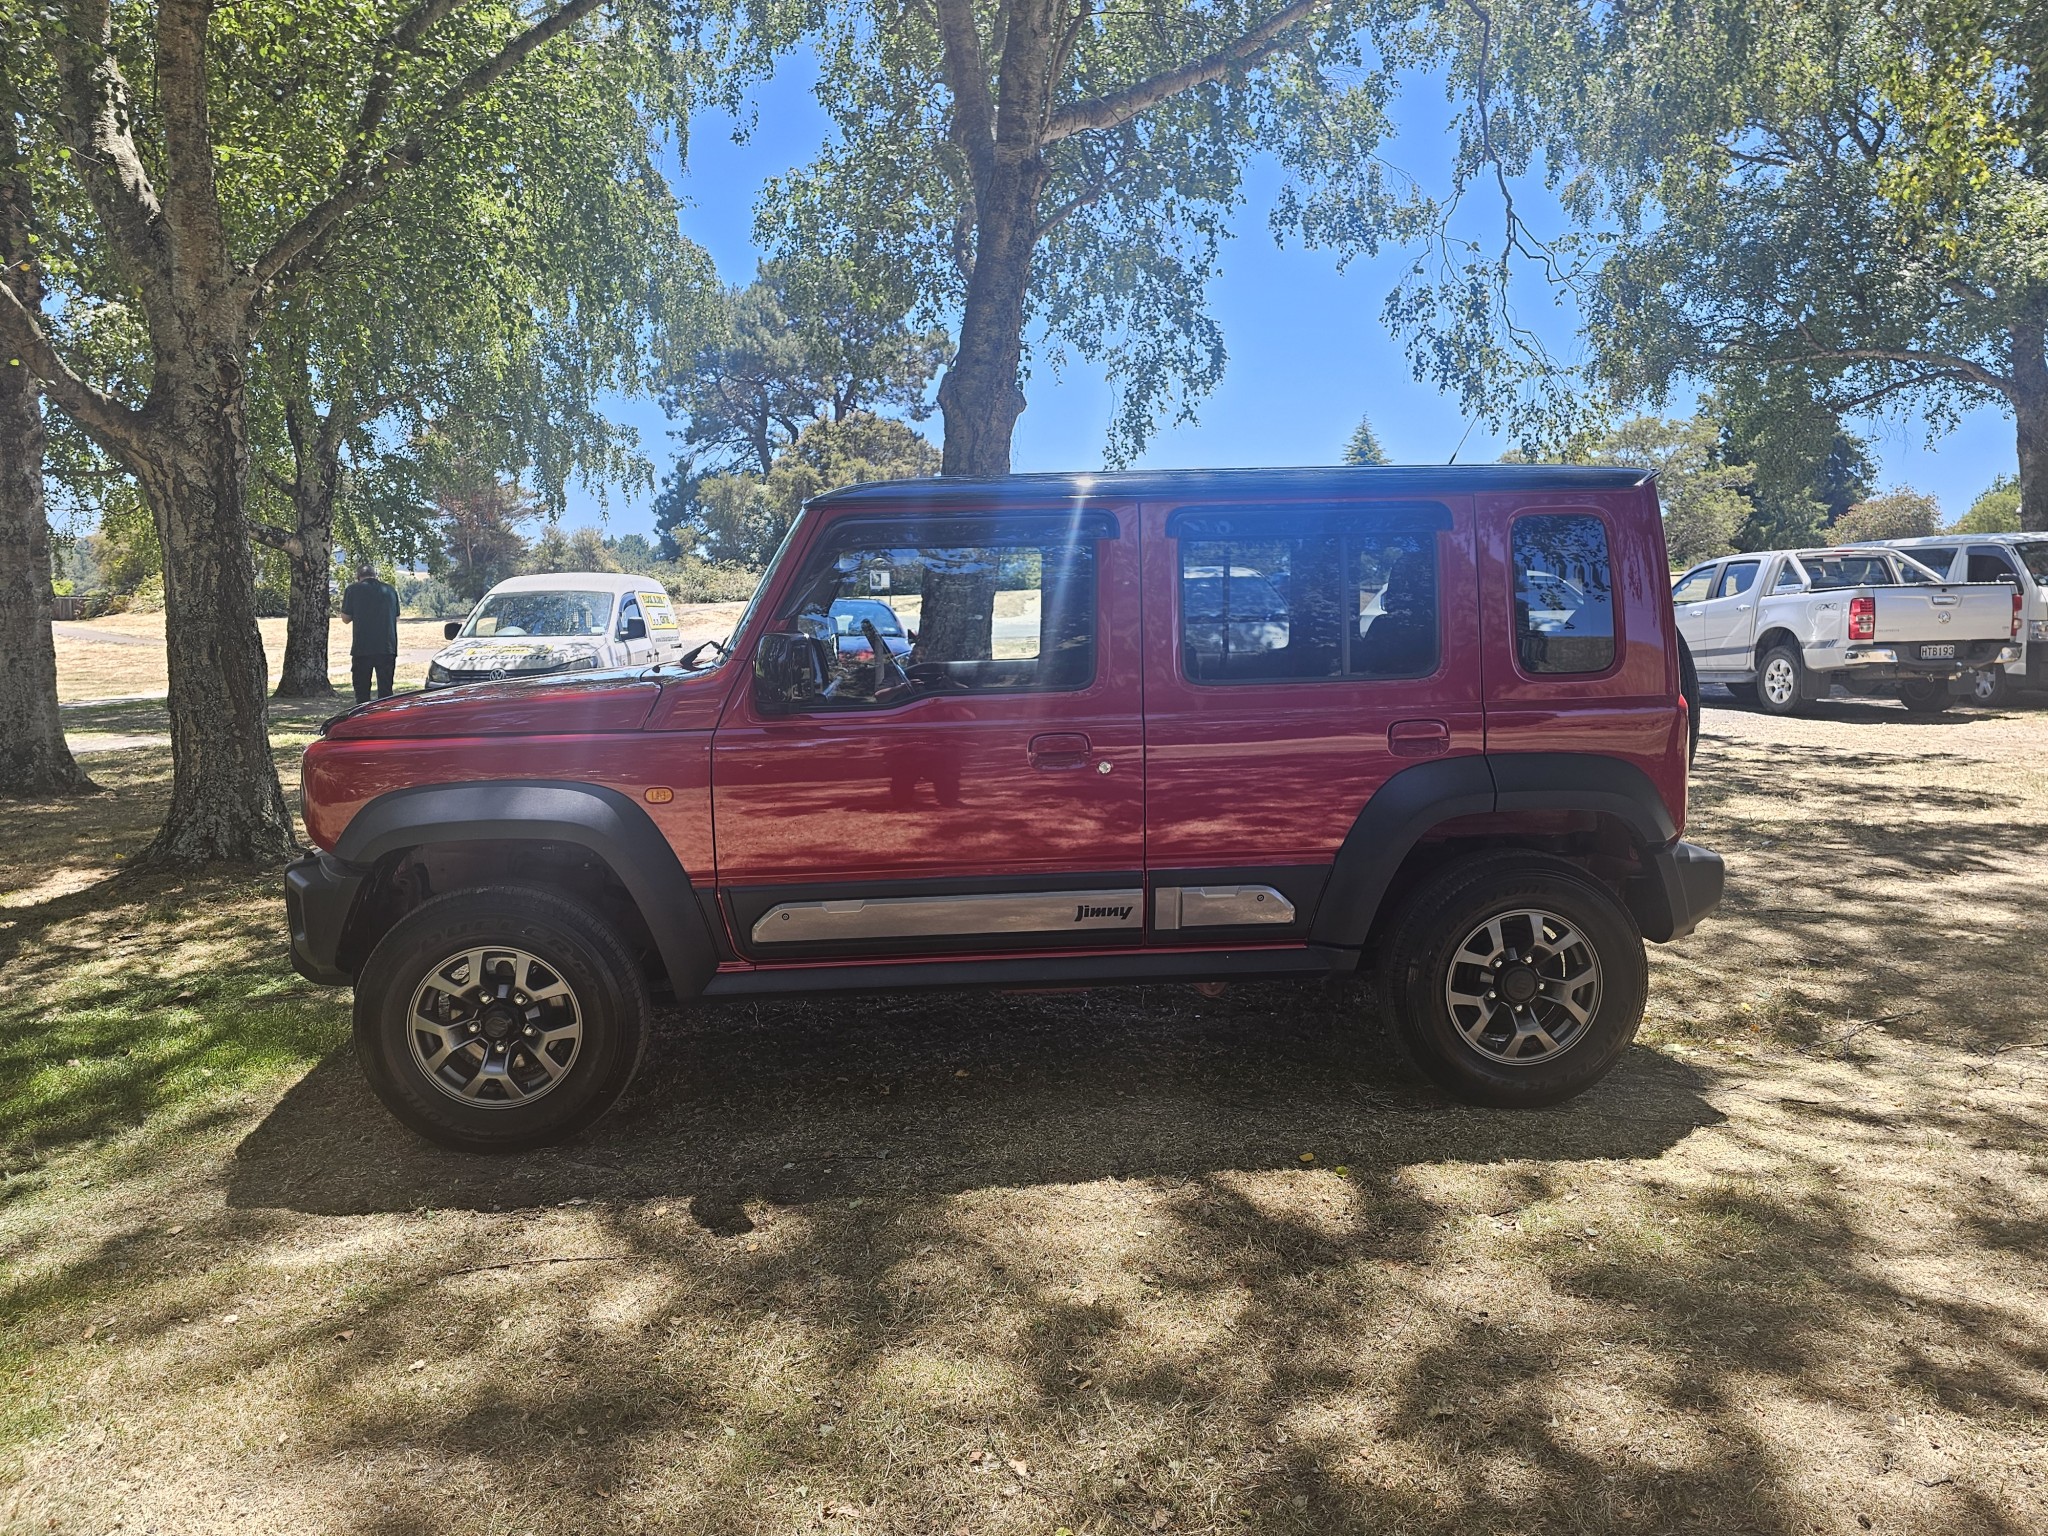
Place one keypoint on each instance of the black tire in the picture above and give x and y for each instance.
(1743, 694)
(1923, 696)
(1772, 699)
(560, 937)
(1689, 690)
(1422, 959)
(1989, 688)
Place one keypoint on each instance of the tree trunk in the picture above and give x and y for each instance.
(980, 394)
(303, 673)
(34, 759)
(2030, 417)
(226, 803)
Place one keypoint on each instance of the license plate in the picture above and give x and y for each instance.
(1937, 653)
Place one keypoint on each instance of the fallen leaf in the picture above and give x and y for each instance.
(1308, 1157)
(91, 1330)
(345, 1335)
(417, 1365)
(961, 1073)
(232, 1317)
(173, 1232)
(1341, 1171)
(1159, 1519)
(1019, 1468)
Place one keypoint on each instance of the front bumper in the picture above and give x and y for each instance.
(1682, 885)
(319, 894)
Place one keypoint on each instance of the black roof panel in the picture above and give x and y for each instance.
(1159, 484)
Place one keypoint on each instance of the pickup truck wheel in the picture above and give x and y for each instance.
(502, 1018)
(1515, 980)
(1988, 687)
(1923, 697)
(1779, 681)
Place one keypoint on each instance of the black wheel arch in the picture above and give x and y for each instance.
(1380, 851)
(602, 822)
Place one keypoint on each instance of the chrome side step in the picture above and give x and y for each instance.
(1218, 906)
(919, 917)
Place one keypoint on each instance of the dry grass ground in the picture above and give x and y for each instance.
(1018, 1264)
(123, 654)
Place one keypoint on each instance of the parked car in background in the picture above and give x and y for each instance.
(855, 625)
(573, 621)
(1094, 765)
(2020, 559)
(1784, 627)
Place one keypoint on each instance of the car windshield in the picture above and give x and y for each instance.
(1832, 571)
(2034, 556)
(549, 615)
(849, 615)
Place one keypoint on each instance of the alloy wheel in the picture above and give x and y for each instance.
(494, 1027)
(1523, 987)
(1780, 682)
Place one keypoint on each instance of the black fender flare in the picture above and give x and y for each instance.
(609, 824)
(1417, 799)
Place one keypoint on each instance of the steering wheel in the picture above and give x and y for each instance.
(884, 658)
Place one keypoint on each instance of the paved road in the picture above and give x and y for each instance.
(103, 636)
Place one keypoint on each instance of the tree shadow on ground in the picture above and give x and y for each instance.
(921, 1096)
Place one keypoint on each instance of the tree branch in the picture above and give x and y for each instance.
(973, 125)
(277, 538)
(301, 244)
(1945, 363)
(94, 409)
(100, 108)
(1119, 107)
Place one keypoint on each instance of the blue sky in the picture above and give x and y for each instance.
(1307, 352)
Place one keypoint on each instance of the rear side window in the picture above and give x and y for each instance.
(1936, 560)
(1564, 593)
(1790, 578)
(1831, 573)
(1305, 599)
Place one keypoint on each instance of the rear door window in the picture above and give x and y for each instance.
(1307, 597)
(1564, 593)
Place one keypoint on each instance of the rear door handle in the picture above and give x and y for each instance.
(1055, 751)
(1418, 738)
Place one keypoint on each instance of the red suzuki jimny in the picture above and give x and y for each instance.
(1054, 730)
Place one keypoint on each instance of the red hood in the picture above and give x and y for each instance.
(540, 706)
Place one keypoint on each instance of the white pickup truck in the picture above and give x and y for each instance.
(1783, 627)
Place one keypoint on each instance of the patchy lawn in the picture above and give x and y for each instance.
(1125, 1261)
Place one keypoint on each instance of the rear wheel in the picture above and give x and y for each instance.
(1924, 697)
(1988, 688)
(501, 1018)
(1689, 690)
(1515, 979)
(1779, 681)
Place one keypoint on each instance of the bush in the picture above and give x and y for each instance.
(1898, 514)
(273, 601)
(1996, 511)
(427, 597)
(692, 580)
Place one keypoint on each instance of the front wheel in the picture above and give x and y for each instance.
(501, 1018)
(1923, 696)
(1516, 980)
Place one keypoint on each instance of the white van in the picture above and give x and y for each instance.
(572, 621)
(2020, 560)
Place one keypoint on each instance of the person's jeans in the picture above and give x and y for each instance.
(363, 666)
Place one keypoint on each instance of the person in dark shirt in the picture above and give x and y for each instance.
(370, 608)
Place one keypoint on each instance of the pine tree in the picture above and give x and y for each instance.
(1364, 447)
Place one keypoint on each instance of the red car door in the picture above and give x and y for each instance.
(981, 791)
(1299, 656)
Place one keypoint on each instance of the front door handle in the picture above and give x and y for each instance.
(1059, 751)
(1418, 738)
(1697, 611)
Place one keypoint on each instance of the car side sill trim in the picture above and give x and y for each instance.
(1291, 963)
(948, 916)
